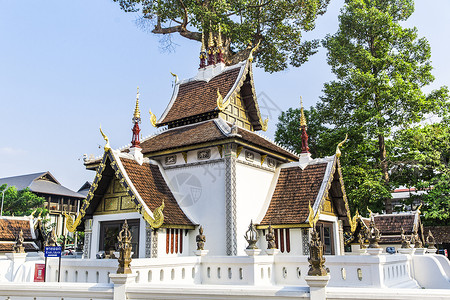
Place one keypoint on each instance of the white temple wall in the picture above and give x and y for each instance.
(252, 186)
(112, 217)
(199, 188)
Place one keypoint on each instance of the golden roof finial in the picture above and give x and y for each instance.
(211, 40)
(302, 113)
(137, 112)
(203, 43)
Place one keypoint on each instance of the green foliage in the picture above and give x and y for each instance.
(381, 68)
(422, 160)
(22, 203)
(377, 99)
(278, 25)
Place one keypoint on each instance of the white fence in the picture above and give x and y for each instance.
(345, 271)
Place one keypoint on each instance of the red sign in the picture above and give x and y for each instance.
(39, 272)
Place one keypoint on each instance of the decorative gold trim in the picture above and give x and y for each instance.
(265, 124)
(220, 149)
(179, 226)
(137, 112)
(184, 153)
(302, 114)
(153, 119)
(313, 218)
(220, 104)
(239, 150)
(221, 142)
(263, 158)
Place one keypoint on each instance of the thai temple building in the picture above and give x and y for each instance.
(210, 167)
(209, 208)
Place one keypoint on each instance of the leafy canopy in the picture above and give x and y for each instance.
(380, 70)
(276, 24)
(21, 203)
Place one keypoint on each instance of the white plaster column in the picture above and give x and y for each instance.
(120, 284)
(317, 286)
(87, 239)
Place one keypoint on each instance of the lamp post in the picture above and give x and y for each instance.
(3, 197)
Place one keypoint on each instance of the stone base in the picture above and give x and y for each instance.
(317, 285)
(374, 251)
(431, 250)
(252, 252)
(406, 250)
(201, 252)
(272, 251)
(420, 251)
(362, 251)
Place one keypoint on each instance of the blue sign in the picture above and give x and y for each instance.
(53, 251)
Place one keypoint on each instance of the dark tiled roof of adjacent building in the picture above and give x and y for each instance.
(151, 186)
(204, 132)
(295, 190)
(441, 234)
(392, 224)
(10, 228)
(199, 97)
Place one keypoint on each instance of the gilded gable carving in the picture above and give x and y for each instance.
(116, 200)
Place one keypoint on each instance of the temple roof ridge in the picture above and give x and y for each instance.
(313, 161)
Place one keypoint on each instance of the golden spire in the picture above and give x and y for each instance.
(203, 43)
(211, 40)
(302, 114)
(219, 38)
(137, 112)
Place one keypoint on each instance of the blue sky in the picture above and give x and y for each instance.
(68, 66)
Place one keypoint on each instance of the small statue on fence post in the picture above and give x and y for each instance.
(417, 241)
(362, 239)
(51, 238)
(124, 239)
(251, 236)
(316, 259)
(430, 241)
(374, 234)
(270, 238)
(200, 239)
(19, 247)
(405, 242)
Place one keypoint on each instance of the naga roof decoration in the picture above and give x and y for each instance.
(296, 189)
(145, 185)
(206, 94)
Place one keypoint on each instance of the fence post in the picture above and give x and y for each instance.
(120, 284)
(317, 287)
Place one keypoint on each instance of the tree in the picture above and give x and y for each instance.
(381, 68)
(276, 25)
(22, 203)
(422, 160)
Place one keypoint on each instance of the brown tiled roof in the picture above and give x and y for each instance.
(392, 224)
(202, 133)
(183, 136)
(9, 247)
(441, 233)
(198, 97)
(10, 228)
(151, 186)
(295, 189)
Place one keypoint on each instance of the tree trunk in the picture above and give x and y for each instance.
(384, 169)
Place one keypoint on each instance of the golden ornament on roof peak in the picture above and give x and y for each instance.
(302, 113)
(203, 49)
(137, 112)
